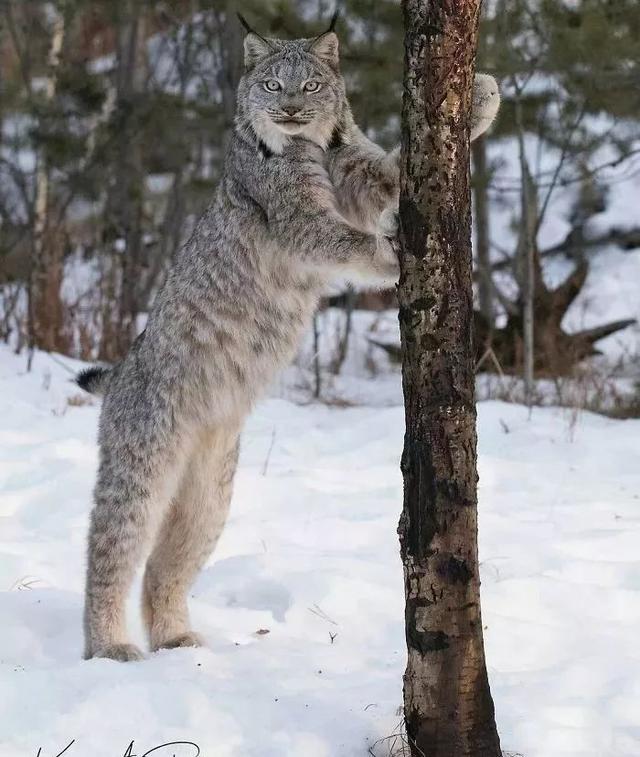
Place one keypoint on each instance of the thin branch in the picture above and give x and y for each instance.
(556, 175)
(626, 239)
(567, 182)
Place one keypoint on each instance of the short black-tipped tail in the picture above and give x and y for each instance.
(93, 380)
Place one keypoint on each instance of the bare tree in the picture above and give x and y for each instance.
(124, 202)
(482, 241)
(526, 256)
(46, 321)
(448, 707)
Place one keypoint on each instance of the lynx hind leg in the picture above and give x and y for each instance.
(485, 104)
(129, 498)
(189, 533)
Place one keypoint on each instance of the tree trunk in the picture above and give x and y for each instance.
(46, 310)
(448, 706)
(527, 254)
(231, 67)
(125, 193)
(481, 202)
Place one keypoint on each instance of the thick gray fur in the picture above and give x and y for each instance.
(299, 204)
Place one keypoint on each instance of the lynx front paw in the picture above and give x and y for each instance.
(388, 223)
(485, 104)
(120, 653)
(386, 263)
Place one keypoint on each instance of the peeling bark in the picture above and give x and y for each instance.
(448, 706)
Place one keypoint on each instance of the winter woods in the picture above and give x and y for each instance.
(115, 116)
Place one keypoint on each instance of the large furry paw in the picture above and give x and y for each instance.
(121, 653)
(485, 104)
(188, 639)
(386, 265)
(388, 223)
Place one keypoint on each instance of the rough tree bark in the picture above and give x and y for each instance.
(448, 707)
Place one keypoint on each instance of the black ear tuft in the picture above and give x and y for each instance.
(244, 23)
(326, 45)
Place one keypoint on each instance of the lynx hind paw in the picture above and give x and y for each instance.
(188, 639)
(121, 653)
(485, 105)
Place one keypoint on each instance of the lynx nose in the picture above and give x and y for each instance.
(291, 110)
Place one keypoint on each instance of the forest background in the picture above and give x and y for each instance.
(114, 116)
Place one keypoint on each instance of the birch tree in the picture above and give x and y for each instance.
(448, 707)
(45, 277)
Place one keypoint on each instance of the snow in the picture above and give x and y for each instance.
(310, 552)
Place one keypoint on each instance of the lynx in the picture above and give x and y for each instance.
(305, 197)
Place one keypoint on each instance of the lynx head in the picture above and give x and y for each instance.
(291, 88)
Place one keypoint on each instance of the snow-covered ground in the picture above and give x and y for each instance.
(302, 603)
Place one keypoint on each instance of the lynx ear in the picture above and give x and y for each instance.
(255, 48)
(255, 45)
(325, 47)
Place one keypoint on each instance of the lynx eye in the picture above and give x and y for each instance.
(271, 85)
(311, 86)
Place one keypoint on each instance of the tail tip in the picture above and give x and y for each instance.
(92, 379)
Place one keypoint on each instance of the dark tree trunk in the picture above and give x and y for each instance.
(231, 68)
(448, 706)
(124, 205)
(481, 202)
